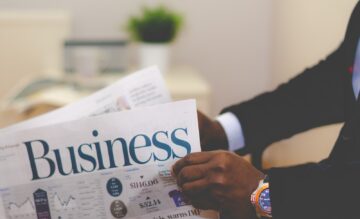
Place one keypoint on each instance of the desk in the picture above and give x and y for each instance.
(182, 82)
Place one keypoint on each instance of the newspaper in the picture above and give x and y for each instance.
(82, 161)
(142, 88)
(115, 165)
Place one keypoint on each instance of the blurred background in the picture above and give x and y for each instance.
(224, 52)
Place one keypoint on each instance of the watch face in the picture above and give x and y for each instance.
(264, 200)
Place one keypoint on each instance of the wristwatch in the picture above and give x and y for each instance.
(260, 199)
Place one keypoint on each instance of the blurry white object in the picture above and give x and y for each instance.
(187, 83)
(155, 54)
(87, 60)
(31, 45)
(110, 55)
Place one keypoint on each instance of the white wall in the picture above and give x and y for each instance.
(227, 41)
(304, 32)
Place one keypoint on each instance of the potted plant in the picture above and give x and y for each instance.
(155, 28)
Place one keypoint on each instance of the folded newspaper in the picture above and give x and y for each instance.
(82, 161)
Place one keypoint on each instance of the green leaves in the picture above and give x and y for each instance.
(155, 25)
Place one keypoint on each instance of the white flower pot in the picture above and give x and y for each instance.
(155, 54)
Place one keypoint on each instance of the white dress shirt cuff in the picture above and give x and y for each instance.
(233, 130)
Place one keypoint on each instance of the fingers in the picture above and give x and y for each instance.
(192, 173)
(191, 188)
(191, 159)
(204, 201)
(202, 122)
(202, 118)
(200, 195)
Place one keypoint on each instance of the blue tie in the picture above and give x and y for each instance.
(356, 72)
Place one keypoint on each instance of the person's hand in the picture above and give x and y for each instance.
(218, 180)
(212, 134)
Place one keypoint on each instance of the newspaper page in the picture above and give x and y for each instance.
(142, 88)
(115, 165)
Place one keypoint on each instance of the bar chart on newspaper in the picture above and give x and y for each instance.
(116, 194)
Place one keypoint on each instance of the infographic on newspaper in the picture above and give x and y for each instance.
(115, 165)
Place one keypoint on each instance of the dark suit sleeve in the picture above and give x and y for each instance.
(315, 191)
(313, 98)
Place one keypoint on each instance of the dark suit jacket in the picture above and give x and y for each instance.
(319, 96)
